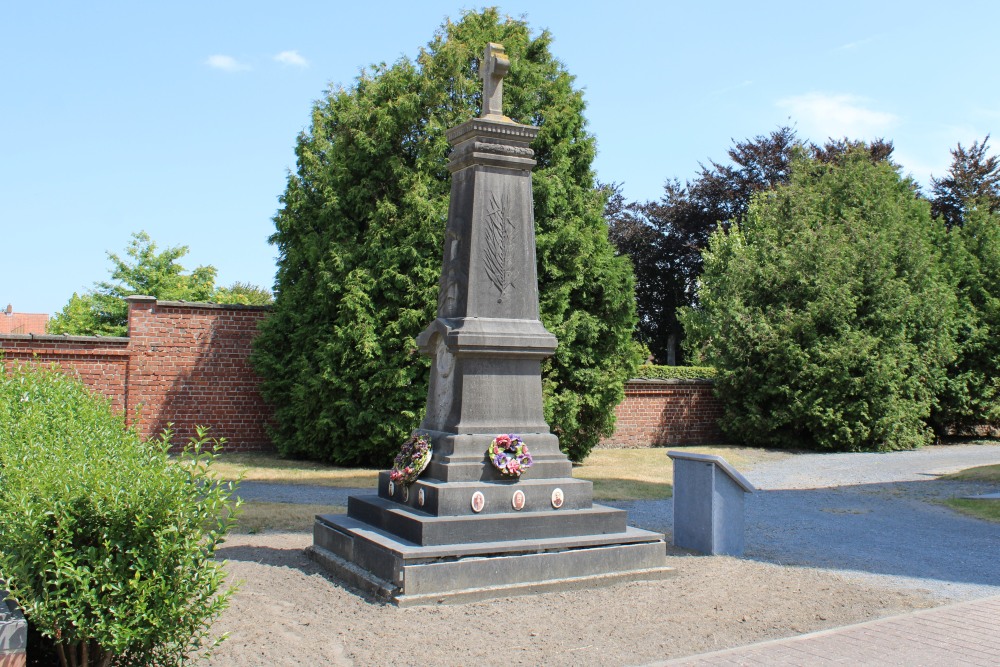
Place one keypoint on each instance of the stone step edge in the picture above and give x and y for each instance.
(365, 582)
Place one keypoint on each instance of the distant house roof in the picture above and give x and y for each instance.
(22, 323)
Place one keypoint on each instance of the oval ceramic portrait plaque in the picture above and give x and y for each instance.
(392, 489)
(557, 498)
(406, 493)
(517, 502)
(478, 502)
(420, 497)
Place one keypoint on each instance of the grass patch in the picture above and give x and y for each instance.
(987, 509)
(266, 467)
(256, 517)
(981, 509)
(647, 474)
(989, 473)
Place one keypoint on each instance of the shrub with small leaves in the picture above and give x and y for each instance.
(107, 542)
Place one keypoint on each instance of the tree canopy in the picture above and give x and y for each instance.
(360, 237)
(145, 270)
(973, 180)
(827, 310)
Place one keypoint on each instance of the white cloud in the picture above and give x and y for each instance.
(226, 63)
(291, 58)
(824, 116)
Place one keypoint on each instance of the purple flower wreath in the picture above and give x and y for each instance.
(509, 455)
(413, 457)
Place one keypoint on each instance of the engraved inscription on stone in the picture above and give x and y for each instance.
(499, 255)
(478, 502)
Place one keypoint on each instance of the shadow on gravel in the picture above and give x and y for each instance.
(897, 529)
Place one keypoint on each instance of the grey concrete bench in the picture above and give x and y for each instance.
(708, 504)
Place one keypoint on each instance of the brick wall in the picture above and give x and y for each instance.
(187, 364)
(182, 363)
(101, 362)
(666, 412)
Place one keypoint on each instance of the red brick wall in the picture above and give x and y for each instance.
(666, 412)
(183, 363)
(191, 367)
(102, 363)
(187, 364)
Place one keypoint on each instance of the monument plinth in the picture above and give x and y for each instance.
(463, 530)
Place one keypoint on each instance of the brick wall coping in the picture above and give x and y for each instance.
(63, 338)
(195, 304)
(673, 381)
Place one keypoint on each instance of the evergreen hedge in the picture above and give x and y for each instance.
(828, 312)
(654, 372)
(360, 238)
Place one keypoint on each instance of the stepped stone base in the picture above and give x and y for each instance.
(377, 562)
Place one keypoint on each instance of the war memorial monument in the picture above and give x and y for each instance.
(466, 528)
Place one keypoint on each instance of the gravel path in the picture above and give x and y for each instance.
(872, 516)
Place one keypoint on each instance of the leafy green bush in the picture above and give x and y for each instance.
(105, 542)
(654, 372)
(971, 396)
(827, 312)
(360, 237)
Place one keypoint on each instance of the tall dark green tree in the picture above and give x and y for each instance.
(971, 396)
(360, 237)
(973, 180)
(665, 238)
(827, 311)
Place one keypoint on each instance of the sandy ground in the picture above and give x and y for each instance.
(288, 612)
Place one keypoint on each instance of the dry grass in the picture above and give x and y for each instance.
(259, 467)
(256, 517)
(617, 474)
(988, 509)
(989, 473)
(646, 474)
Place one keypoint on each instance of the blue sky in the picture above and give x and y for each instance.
(180, 118)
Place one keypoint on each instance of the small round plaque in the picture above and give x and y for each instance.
(478, 502)
(406, 493)
(420, 497)
(557, 498)
(517, 502)
(392, 489)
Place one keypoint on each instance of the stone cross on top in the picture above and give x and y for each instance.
(492, 70)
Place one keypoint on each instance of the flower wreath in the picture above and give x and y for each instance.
(413, 457)
(509, 455)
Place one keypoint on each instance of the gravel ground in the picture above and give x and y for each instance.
(873, 516)
(831, 540)
(867, 515)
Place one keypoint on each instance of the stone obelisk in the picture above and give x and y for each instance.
(463, 530)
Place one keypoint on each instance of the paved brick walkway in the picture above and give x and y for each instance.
(966, 633)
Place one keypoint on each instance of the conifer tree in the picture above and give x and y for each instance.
(828, 312)
(360, 236)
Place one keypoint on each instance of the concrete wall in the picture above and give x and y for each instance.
(188, 364)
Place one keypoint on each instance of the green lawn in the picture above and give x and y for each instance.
(617, 474)
(983, 509)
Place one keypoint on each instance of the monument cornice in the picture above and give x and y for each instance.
(485, 127)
